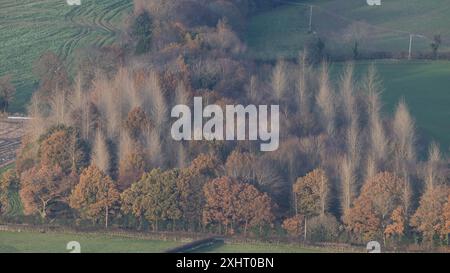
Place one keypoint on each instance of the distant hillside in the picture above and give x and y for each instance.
(284, 30)
(29, 28)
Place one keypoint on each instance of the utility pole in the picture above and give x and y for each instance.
(310, 17)
(410, 46)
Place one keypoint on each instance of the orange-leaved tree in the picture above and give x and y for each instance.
(190, 187)
(446, 216)
(43, 187)
(428, 218)
(62, 146)
(373, 210)
(95, 195)
(137, 123)
(131, 168)
(398, 223)
(235, 204)
(294, 225)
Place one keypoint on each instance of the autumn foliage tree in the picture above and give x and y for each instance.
(446, 216)
(397, 226)
(294, 225)
(43, 187)
(95, 196)
(154, 197)
(429, 219)
(62, 146)
(377, 211)
(137, 123)
(131, 168)
(190, 187)
(234, 204)
(311, 193)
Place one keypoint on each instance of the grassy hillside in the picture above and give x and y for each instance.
(29, 28)
(425, 86)
(30, 242)
(283, 31)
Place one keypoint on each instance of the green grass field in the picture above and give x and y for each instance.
(16, 208)
(29, 242)
(281, 32)
(29, 28)
(261, 248)
(425, 86)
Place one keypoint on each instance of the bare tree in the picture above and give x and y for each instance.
(181, 94)
(378, 142)
(156, 102)
(371, 167)
(325, 100)
(37, 125)
(60, 107)
(279, 80)
(348, 181)
(404, 135)
(80, 102)
(155, 152)
(349, 165)
(181, 156)
(108, 99)
(347, 94)
(304, 102)
(252, 90)
(100, 153)
(433, 171)
(353, 142)
(324, 189)
(403, 147)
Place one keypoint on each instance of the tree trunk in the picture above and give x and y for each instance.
(304, 236)
(44, 211)
(106, 216)
(141, 222)
(295, 203)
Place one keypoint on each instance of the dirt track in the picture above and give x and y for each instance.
(11, 133)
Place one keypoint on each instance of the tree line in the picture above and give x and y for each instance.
(98, 149)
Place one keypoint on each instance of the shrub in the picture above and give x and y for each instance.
(323, 228)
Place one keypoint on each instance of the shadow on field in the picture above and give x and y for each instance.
(204, 245)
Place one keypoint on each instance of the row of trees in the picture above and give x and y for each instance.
(192, 197)
(97, 147)
(118, 125)
(379, 211)
(197, 196)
